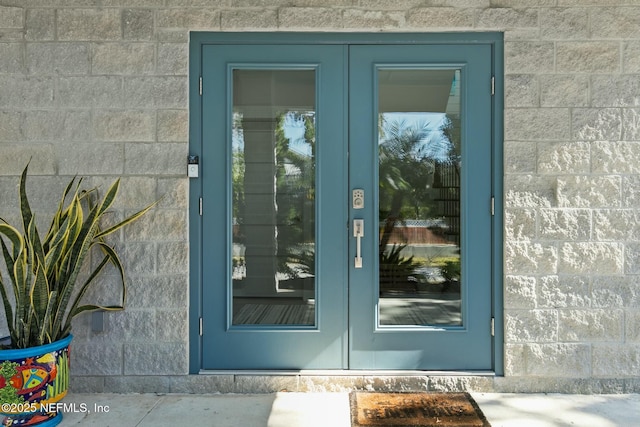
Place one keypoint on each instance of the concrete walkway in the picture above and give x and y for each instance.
(332, 410)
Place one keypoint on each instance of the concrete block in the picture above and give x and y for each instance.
(501, 18)
(331, 384)
(631, 191)
(174, 193)
(26, 92)
(96, 357)
(531, 326)
(558, 360)
(460, 383)
(530, 191)
(138, 259)
(616, 225)
(520, 157)
(591, 258)
(560, 90)
(530, 258)
(615, 90)
(90, 92)
(11, 17)
(11, 54)
(156, 159)
(520, 225)
(632, 326)
(515, 362)
(89, 24)
(58, 58)
(588, 57)
(57, 126)
(10, 126)
(631, 132)
(309, 17)
(521, 90)
(565, 224)
(200, 384)
(248, 19)
(632, 258)
(169, 292)
(631, 57)
(173, 59)
(585, 191)
(172, 35)
(137, 384)
(529, 57)
(89, 159)
(440, 17)
(519, 292)
(615, 360)
(156, 92)
(389, 383)
(131, 325)
(173, 125)
(123, 58)
(86, 384)
(156, 358)
(15, 157)
(616, 292)
(173, 257)
(615, 22)
(590, 325)
(137, 24)
(160, 225)
(537, 124)
(373, 19)
(171, 325)
(563, 291)
(40, 24)
(563, 157)
(124, 126)
(564, 23)
(135, 192)
(590, 124)
(265, 384)
(193, 19)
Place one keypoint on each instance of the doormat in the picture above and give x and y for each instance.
(415, 409)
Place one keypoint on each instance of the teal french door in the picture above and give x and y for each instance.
(346, 191)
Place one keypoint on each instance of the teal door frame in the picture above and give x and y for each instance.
(201, 39)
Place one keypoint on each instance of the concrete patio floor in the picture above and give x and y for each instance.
(332, 410)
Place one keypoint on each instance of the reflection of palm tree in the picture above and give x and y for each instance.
(295, 195)
(407, 156)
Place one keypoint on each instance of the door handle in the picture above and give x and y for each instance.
(358, 233)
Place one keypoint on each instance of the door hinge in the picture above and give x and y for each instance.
(493, 85)
(200, 326)
(200, 206)
(493, 205)
(493, 327)
(200, 88)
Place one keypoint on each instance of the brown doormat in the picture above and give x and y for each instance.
(415, 409)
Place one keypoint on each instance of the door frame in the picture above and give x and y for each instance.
(196, 43)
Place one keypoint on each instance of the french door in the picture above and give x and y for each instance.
(346, 193)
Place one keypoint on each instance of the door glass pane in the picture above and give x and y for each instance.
(273, 201)
(419, 197)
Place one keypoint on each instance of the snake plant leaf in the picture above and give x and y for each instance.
(47, 278)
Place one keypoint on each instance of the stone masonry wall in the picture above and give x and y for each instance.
(99, 88)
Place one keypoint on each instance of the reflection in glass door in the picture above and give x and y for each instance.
(419, 162)
(273, 197)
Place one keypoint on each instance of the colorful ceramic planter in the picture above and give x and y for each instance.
(32, 381)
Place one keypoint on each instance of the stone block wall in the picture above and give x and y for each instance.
(99, 88)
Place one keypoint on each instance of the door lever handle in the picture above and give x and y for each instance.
(358, 233)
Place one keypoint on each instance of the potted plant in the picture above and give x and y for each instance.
(43, 280)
